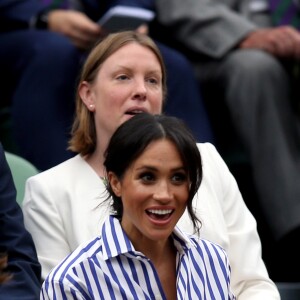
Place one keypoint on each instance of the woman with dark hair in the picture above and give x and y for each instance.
(153, 171)
(128, 144)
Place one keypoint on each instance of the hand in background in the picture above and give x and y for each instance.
(283, 41)
(4, 276)
(143, 29)
(82, 31)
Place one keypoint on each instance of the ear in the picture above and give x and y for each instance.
(86, 95)
(115, 183)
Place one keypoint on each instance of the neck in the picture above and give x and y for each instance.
(156, 251)
(96, 160)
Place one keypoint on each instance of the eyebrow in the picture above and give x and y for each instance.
(153, 71)
(181, 168)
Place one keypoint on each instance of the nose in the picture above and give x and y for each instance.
(140, 90)
(163, 193)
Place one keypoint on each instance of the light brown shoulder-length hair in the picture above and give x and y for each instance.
(83, 132)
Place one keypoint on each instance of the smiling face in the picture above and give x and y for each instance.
(154, 192)
(128, 82)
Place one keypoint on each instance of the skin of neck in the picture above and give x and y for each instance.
(96, 159)
(156, 251)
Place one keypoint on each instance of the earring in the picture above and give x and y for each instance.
(91, 106)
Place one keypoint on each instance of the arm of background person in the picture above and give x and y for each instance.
(16, 242)
(206, 27)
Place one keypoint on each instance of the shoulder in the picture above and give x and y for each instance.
(208, 245)
(68, 182)
(65, 167)
(207, 256)
(215, 170)
(69, 171)
(60, 183)
(209, 154)
(210, 252)
(195, 243)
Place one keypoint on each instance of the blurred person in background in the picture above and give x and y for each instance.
(45, 43)
(20, 271)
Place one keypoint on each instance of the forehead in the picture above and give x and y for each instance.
(133, 52)
(160, 152)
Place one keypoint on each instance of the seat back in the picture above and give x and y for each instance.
(21, 169)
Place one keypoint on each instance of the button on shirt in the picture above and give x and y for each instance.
(108, 267)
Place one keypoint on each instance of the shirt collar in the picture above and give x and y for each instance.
(115, 241)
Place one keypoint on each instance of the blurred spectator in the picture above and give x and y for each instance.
(242, 60)
(47, 63)
(20, 271)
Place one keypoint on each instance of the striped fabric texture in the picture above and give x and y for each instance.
(108, 267)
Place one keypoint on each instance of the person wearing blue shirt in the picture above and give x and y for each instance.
(20, 269)
(153, 170)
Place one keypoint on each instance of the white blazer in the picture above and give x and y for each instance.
(62, 208)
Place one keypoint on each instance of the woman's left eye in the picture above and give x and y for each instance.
(178, 178)
(152, 80)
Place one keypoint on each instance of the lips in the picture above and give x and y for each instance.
(135, 111)
(159, 214)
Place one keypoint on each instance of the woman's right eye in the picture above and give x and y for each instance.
(122, 77)
(147, 177)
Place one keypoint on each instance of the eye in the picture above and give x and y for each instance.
(147, 177)
(122, 77)
(179, 178)
(152, 80)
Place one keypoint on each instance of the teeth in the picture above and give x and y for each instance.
(160, 211)
(135, 111)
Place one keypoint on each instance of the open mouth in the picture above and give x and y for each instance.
(134, 112)
(159, 214)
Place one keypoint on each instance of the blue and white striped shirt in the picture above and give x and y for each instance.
(108, 267)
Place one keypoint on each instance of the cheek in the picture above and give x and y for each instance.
(183, 195)
(113, 99)
(112, 96)
(135, 196)
(138, 192)
(156, 103)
